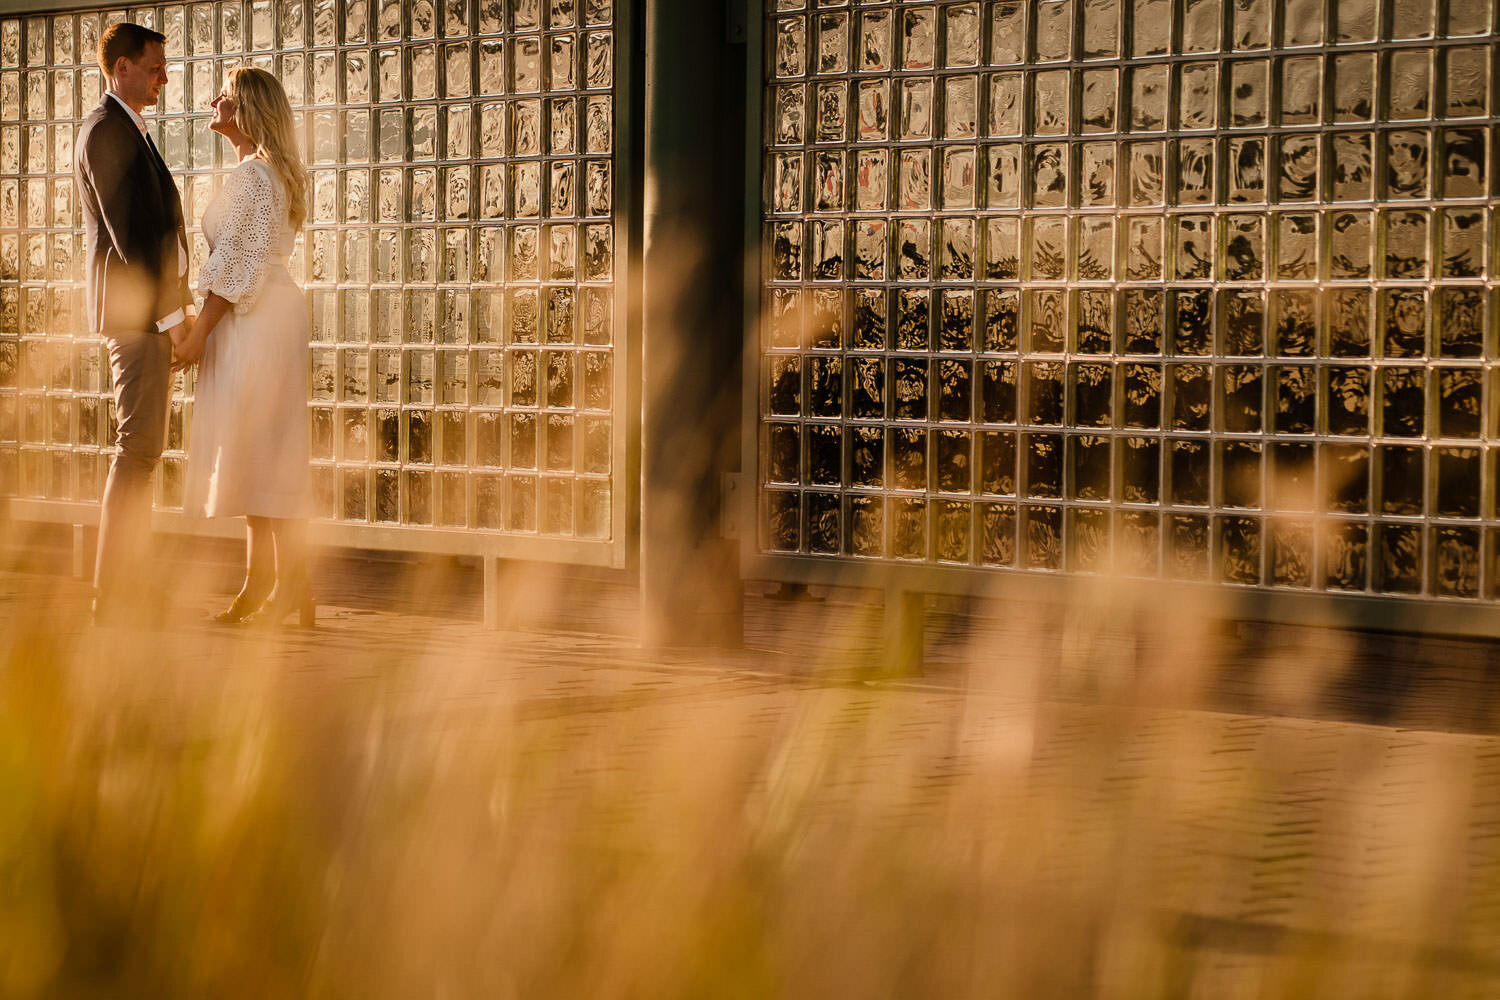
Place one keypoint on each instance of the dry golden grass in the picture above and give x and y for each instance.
(188, 815)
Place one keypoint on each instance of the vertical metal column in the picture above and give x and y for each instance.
(693, 279)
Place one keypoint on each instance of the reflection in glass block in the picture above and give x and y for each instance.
(1246, 170)
(1047, 168)
(1088, 540)
(1093, 313)
(1461, 320)
(1405, 323)
(1047, 248)
(1192, 322)
(1296, 400)
(1098, 95)
(1345, 555)
(908, 452)
(1295, 318)
(916, 109)
(1042, 531)
(1050, 101)
(1044, 393)
(1345, 472)
(1460, 402)
(1458, 485)
(1456, 562)
(1239, 550)
(909, 389)
(997, 467)
(1147, 174)
(1006, 105)
(1464, 158)
(1403, 402)
(909, 529)
(1188, 547)
(1347, 402)
(1406, 164)
(1142, 396)
(1190, 473)
(1291, 556)
(1402, 480)
(869, 327)
(1241, 397)
(1195, 171)
(1400, 558)
(1090, 478)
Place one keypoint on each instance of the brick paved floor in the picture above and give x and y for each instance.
(1265, 801)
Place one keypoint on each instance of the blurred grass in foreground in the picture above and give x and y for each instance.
(238, 826)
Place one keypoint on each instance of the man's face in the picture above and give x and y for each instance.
(139, 81)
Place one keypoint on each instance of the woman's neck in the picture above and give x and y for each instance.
(245, 148)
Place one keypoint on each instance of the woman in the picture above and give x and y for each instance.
(247, 452)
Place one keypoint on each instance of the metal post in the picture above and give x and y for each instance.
(691, 592)
(905, 632)
(492, 598)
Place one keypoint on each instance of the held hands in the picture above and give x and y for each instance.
(188, 340)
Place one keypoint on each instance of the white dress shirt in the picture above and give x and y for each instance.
(176, 316)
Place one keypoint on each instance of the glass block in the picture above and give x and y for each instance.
(1460, 402)
(1191, 398)
(1464, 162)
(1148, 98)
(833, 31)
(1350, 237)
(1140, 473)
(1194, 182)
(1047, 169)
(1461, 322)
(1296, 400)
(876, 47)
(1246, 174)
(1406, 164)
(1400, 559)
(1458, 482)
(1405, 322)
(1461, 254)
(1147, 171)
(1466, 72)
(1189, 466)
(1144, 238)
(1003, 176)
(790, 47)
(1455, 562)
(1241, 398)
(1244, 247)
(1002, 323)
(1403, 402)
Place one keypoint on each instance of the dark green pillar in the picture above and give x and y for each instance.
(692, 318)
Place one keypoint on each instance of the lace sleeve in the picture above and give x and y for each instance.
(251, 212)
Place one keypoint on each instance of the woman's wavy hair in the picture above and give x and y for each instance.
(262, 112)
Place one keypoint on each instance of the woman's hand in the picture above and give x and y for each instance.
(190, 348)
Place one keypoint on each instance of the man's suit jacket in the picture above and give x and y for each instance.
(133, 226)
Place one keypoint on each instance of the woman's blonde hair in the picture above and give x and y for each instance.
(262, 112)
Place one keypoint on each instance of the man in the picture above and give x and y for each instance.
(136, 292)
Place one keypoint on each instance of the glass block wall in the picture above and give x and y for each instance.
(459, 258)
(1197, 289)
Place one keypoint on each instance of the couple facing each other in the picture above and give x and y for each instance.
(247, 453)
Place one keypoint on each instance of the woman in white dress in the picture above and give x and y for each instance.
(247, 450)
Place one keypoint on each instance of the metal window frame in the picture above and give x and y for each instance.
(617, 550)
(1458, 616)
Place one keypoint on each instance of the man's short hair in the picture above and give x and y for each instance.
(125, 39)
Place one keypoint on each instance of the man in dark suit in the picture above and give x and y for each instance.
(136, 293)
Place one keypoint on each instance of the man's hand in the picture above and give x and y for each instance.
(187, 345)
(180, 334)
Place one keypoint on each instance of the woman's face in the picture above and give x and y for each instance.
(223, 113)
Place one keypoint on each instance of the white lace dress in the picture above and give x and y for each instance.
(247, 449)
